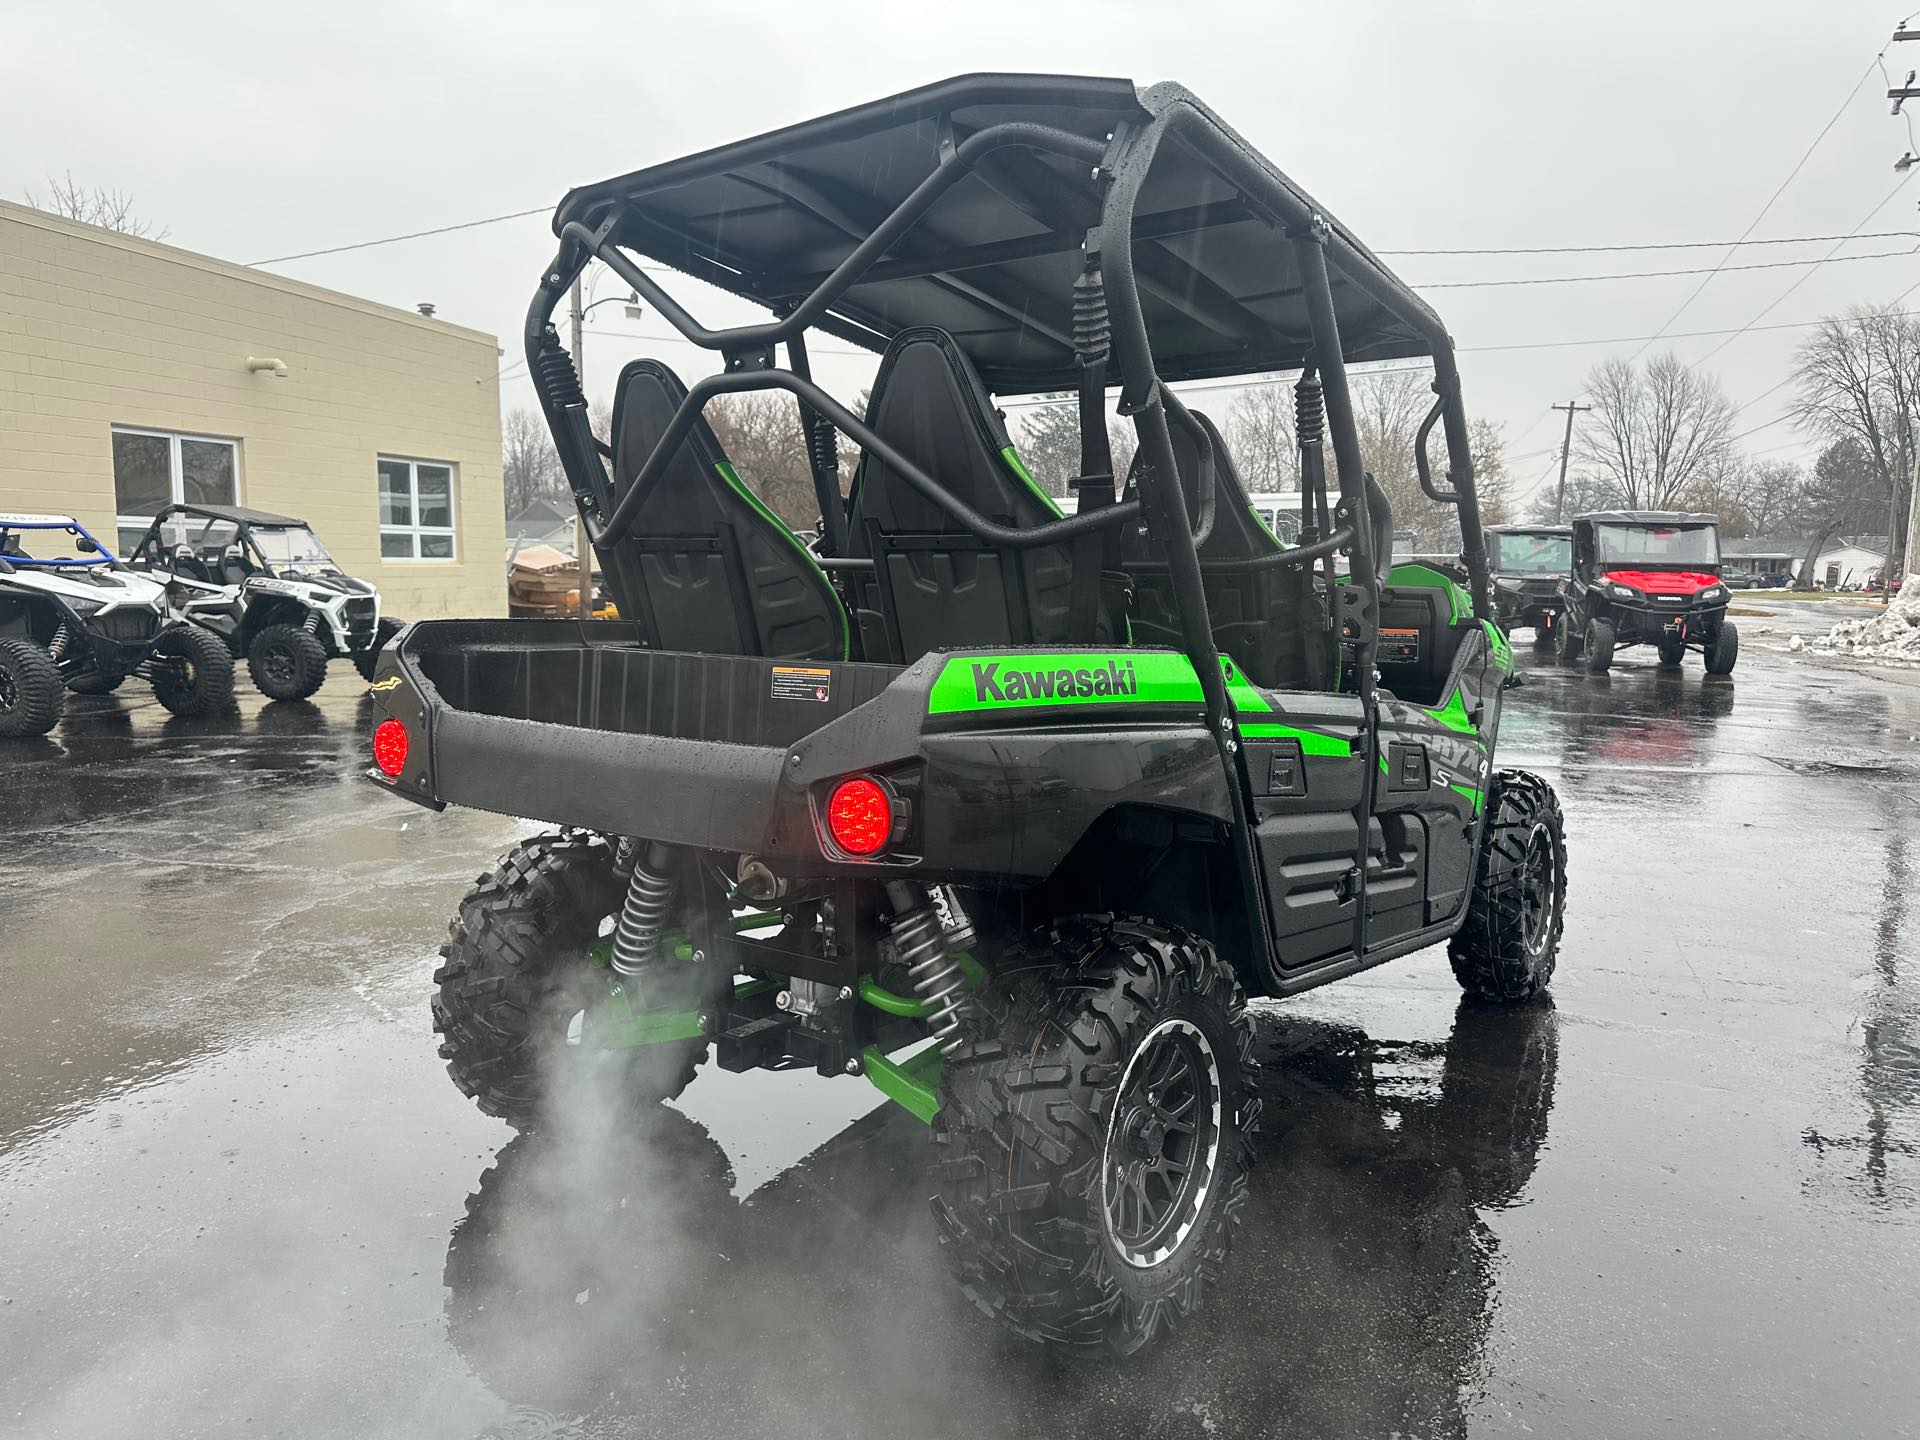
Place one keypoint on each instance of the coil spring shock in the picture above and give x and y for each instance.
(312, 623)
(555, 367)
(1092, 330)
(57, 646)
(644, 913)
(1309, 411)
(937, 978)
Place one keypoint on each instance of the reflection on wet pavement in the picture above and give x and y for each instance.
(239, 1196)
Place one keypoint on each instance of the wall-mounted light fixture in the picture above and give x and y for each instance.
(275, 368)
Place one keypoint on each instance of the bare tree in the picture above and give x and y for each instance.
(1656, 436)
(1584, 493)
(1490, 481)
(1859, 379)
(109, 209)
(1838, 494)
(1773, 494)
(760, 431)
(529, 465)
(1261, 434)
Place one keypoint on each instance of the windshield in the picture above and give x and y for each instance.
(1533, 554)
(293, 547)
(1629, 545)
(53, 542)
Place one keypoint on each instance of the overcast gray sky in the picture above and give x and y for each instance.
(255, 130)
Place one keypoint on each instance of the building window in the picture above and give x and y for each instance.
(156, 468)
(416, 509)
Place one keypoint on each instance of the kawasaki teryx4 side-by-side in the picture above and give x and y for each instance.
(1006, 810)
(1529, 565)
(72, 615)
(1647, 577)
(267, 586)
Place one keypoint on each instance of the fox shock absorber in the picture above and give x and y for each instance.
(938, 979)
(644, 914)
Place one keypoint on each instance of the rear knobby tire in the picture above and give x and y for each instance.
(367, 661)
(192, 670)
(286, 662)
(1600, 646)
(1724, 650)
(1506, 948)
(31, 695)
(515, 972)
(1569, 633)
(1046, 1128)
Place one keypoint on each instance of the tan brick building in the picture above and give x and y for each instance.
(132, 372)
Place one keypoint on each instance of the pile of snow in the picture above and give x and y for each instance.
(1894, 635)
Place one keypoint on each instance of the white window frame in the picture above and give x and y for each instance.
(415, 531)
(176, 472)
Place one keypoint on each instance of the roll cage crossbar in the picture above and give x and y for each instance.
(1361, 524)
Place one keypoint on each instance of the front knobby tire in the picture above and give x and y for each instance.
(1571, 642)
(1506, 948)
(515, 972)
(286, 662)
(1724, 650)
(1095, 1132)
(367, 661)
(1600, 646)
(194, 673)
(31, 693)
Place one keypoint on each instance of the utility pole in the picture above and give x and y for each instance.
(582, 550)
(1899, 95)
(1566, 447)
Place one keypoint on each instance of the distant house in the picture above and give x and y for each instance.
(1772, 557)
(1849, 563)
(543, 522)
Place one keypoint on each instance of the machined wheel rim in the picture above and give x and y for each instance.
(1538, 893)
(1162, 1150)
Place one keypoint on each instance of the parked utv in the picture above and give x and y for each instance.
(1004, 809)
(72, 615)
(266, 585)
(1647, 577)
(1529, 564)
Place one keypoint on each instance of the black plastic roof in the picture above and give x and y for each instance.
(993, 261)
(1529, 529)
(239, 514)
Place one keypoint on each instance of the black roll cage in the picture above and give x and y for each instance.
(1122, 163)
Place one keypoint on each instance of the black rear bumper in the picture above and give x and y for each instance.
(575, 724)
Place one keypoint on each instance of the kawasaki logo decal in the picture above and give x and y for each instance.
(1069, 677)
(991, 687)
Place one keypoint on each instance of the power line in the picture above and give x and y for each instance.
(1799, 165)
(410, 235)
(1662, 274)
(1655, 245)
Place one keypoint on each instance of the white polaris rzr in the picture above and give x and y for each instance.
(71, 615)
(265, 585)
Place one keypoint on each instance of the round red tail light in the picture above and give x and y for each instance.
(390, 748)
(860, 815)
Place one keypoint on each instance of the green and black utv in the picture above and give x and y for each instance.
(1006, 810)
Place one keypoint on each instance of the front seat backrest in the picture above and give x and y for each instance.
(935, 584)
(715, 569)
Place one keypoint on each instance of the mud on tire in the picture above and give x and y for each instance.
(1041, 1116)
(515, 972)
(1505, 950)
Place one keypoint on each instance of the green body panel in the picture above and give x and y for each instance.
(1425, 577)
(1497, 642)
(913, 1084)
(1028, 679)
(1019, 468)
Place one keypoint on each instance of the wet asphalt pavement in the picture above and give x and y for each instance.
(238, 1195)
